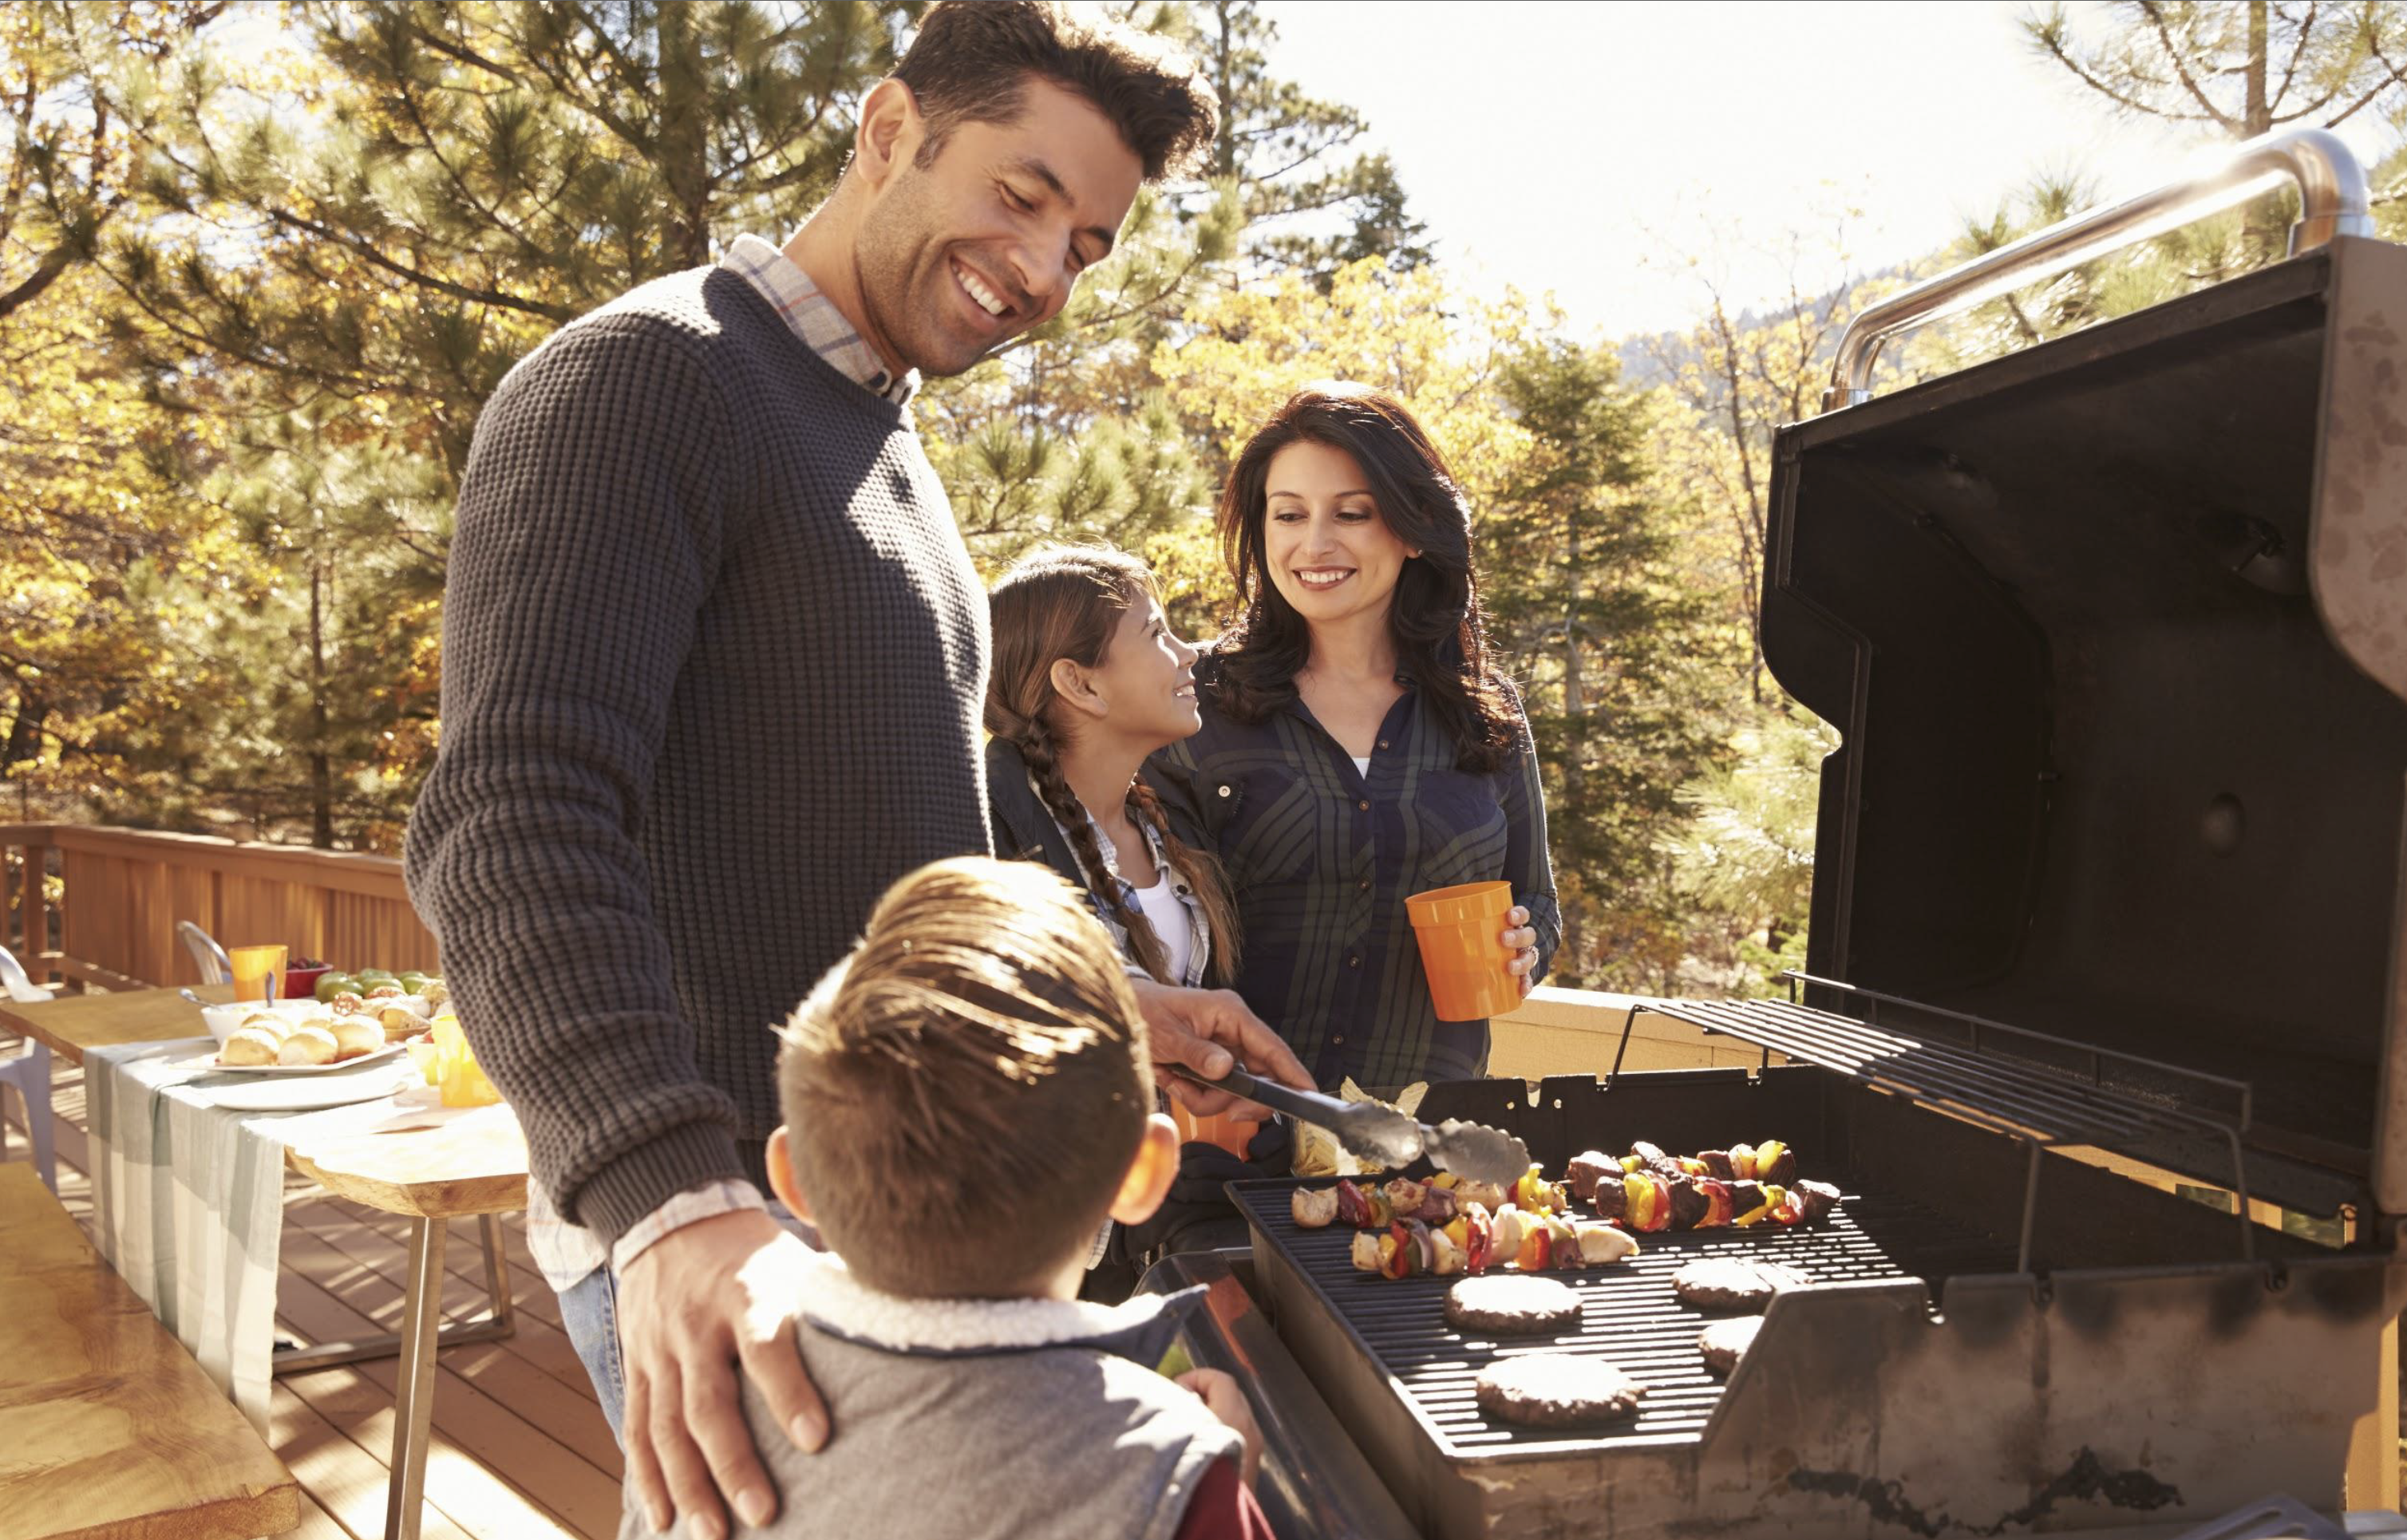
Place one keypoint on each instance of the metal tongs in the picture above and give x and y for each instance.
(1384, 1136)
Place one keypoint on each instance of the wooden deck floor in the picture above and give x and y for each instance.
(521, 1451)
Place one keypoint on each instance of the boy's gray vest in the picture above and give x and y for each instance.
(962, 1418)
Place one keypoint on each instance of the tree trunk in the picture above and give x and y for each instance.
(24, 741)
(2260, 115)
(321, 767)
(1224, 85)
(684, 137)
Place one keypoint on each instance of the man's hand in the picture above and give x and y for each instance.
(1201, 1029)
(696, 1300)
(1225, 1399)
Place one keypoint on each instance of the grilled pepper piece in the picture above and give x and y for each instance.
(1533, 1194)
(1717, 1204)
(1774, 1197)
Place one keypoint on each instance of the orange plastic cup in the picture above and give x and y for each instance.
(257, 971)
(1219, 1129)
(1461, 930)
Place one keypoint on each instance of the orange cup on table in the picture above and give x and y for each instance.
(257, 971)
(1461, 934)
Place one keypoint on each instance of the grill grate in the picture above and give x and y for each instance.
(1629, 1314)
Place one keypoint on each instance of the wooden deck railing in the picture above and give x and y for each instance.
(124, 890)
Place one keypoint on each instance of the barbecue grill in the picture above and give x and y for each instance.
(2108, 898)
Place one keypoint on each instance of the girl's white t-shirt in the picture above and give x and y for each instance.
(1168, 917)
(1362, 762)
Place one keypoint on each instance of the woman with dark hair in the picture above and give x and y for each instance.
(1358, 743)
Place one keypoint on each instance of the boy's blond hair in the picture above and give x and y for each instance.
(964, 1093)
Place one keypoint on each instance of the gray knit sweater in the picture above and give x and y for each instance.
(713, 656)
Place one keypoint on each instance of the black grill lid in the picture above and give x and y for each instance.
(2115, 633)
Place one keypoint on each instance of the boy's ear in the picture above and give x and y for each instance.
(781, 1176)
(1150, 1174)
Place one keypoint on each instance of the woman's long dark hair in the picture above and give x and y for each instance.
(1440, 633)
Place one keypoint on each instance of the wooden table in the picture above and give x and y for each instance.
(106, 1425)
(74, 1024)
(428, 1175)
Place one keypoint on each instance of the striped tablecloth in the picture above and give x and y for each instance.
(189, 1198)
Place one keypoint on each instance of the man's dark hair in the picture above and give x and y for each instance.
(971, 61)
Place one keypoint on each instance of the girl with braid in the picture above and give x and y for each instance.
(1089, 681)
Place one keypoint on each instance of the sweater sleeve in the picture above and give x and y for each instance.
(585, 544)
(1527, 865)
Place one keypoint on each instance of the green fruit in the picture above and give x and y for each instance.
(331, 985)
(412, 981)
(373, 976)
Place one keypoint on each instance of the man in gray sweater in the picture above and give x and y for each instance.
(714, 656)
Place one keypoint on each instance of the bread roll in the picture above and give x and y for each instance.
(248, 1046)
(308, 1045)
(435, 994)
(401, 1024)
(267, 1022)
(355, 1035)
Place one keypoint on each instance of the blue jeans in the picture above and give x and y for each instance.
(588, 1313)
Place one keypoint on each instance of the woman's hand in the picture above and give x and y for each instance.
(1522, 940)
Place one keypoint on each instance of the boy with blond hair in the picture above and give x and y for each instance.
(967, 1098)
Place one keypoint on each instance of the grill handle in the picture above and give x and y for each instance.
(2333, 200)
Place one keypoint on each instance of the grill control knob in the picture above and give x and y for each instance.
(2223, 824)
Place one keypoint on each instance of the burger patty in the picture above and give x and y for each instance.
(1513, 1305)
(1556, 1390)
(1725, 1342)
(1733, 1283)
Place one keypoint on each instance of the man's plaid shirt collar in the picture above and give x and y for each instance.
(815, 317)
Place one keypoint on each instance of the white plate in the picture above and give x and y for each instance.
(209, 1061)
(308, 1095)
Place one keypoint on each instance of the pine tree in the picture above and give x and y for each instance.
(2237, 69)
(1311, 201)
(1627, 677)
(418, 193)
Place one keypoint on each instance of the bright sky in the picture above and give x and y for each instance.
(1573, 148)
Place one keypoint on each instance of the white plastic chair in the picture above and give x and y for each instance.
(29, 1071)
(206, 954)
